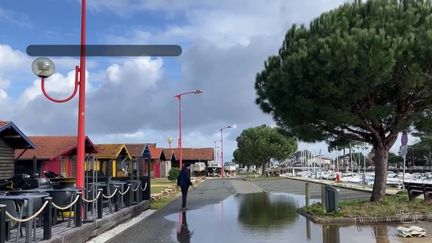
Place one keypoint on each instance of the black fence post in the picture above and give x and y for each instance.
(146, 192)
(139, 196)
(128, 196)
(2, 223)
(47, 219)
(78, 205)
(116, 199)
(100, 204)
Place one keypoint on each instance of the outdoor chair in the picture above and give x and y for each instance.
(62, 199)
(12, 209)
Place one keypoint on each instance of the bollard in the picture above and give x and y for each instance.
(47, 219)
(78, 205)
(2, 223)
(128, 196)
(307, 194)
(100, 204)
(116, 200)
(323, 198)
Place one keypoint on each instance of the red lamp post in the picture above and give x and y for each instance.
(222, 155)
(179, 96)
(43, 67)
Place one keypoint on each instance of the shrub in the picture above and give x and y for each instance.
(173, 174)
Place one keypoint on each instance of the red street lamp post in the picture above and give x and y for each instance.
(179, 96)
(43, 67)
(222, 155)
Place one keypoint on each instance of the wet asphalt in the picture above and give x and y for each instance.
(156, 228)
(159, 226)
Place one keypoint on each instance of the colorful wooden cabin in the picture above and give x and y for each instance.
(155, 155)
(11, 140)
(113, 160)
(168, 158)
(52, 153)
(140, 161)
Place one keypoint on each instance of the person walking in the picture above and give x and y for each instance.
(184, 181)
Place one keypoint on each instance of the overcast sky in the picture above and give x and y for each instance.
(225, 43)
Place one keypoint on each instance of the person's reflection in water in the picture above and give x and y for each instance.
(183, 233)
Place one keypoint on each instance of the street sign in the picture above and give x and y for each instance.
(404, 138)
(403, 150)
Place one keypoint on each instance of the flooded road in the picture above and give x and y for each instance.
(267, 217)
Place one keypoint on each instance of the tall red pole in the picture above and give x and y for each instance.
(222, 159)
(197, 91)
(81, 102)
(180, 134)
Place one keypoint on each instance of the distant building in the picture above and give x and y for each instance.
(193, 155)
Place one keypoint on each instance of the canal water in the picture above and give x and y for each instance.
(267, 217)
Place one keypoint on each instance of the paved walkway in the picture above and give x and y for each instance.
(156, 228)
(245, 187)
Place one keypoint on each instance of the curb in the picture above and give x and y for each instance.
(335, 185)
(403, 218)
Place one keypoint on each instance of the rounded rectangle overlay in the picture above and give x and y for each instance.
(104, 50)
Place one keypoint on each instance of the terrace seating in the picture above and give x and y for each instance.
(12, 209)
(62, 198)
(417, 189)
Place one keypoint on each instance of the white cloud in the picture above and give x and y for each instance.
(223, 23)
(3, 95)
(10, 61)
(142, 71)
(9, 16)
(227, 44)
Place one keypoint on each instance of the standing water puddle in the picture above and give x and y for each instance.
(267, 217)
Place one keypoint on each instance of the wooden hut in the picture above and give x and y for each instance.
(52, 153)
(113, 160)
(11, 139)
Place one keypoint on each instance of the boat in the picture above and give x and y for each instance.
(230, 167)
(412, 231)
(199, 167)
(214, 169)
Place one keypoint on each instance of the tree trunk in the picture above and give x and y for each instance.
(264, 165)
(380, 159)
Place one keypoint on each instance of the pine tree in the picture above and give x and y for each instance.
(361, 72)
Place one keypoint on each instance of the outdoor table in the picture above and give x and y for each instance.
(29, 197)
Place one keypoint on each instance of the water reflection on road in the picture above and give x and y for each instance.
(267, 217)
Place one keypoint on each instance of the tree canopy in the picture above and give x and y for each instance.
(360, 72)
(257, 145)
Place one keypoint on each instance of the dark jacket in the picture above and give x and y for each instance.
(183, 180)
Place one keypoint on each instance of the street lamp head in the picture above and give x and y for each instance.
(234, 126)
(43, 67)
(197, 91)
